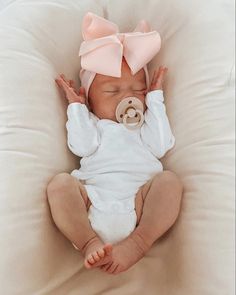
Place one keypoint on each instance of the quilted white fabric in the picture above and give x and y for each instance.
(39, 40)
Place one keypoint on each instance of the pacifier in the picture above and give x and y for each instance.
(130, 112)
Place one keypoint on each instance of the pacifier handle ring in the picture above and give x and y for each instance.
(134, 126)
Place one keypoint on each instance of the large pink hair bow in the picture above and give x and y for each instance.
(104, 47)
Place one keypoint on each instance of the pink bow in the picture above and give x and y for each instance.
(104, 47)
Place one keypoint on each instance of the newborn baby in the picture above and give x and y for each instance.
(120, 201)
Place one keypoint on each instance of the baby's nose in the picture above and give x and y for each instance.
(129, 93)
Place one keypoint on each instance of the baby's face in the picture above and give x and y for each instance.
(106, 92)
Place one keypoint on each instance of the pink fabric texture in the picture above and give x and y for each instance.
(104, 47)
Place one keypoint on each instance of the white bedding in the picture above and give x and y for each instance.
(40, 39)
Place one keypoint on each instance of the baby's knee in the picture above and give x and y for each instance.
(174, 178)
(59, 183)
(169, 179)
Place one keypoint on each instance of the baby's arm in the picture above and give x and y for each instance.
(82, 134)
(156, 132)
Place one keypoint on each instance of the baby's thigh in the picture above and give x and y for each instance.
(138, 206)
(83, 192)
(142, 193)
(159, 183)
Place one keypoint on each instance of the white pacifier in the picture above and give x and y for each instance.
(130, 112)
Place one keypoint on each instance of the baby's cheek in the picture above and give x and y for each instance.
(112, 111)
(107, 111)
(142, 98)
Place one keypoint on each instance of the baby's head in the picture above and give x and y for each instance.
(106, 92)
(114, 65)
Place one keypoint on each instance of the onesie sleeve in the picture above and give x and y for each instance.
(156, 133)
(82, 135)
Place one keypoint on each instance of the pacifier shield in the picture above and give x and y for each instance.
(130, 111)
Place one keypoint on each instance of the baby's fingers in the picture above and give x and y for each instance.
(155, 76)
(69, 83)
(62, 84)
(158, 78)
(82, 93)
(62, 76)
(58, 82)
(72, 83)
(162, 72)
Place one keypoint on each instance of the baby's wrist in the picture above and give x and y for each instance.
(153, 90)
(74, 100)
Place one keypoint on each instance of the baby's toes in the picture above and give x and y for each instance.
(112, 268)
(108, 249)
(90, 259)
(101, 252)
(107, 266)
(87, 264)
(96, 257)
(117, 270)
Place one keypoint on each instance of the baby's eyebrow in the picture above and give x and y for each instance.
(139, 82)
(109, 83)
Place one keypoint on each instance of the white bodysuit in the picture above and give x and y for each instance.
(117, 161)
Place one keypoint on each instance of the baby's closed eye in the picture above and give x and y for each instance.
(115, 91)
(140, 89)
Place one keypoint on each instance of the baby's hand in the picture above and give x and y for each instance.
(158, 79)
(72, 95)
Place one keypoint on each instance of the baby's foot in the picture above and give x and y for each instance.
(126, 253)
(96, 253)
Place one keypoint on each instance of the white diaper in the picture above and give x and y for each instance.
(112, 227)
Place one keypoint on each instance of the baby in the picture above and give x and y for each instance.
(120, 201)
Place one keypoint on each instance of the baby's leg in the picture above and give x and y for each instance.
(161, 197)
(69, 203)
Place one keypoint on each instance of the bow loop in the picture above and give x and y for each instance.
(94, 26)
(140, 48)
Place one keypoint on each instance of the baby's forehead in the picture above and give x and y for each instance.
(101, 79)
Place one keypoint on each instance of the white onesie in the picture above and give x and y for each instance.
(116, 162)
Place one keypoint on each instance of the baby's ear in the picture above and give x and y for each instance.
(142, 27)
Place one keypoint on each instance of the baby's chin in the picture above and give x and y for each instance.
(110, 118)
(107, 117)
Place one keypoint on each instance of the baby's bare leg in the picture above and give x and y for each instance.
(69, 203)
(161, 197)
(162, 200)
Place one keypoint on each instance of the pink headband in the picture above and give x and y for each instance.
(104, 47)
(87, 77)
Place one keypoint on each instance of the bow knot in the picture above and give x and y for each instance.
(104, 47)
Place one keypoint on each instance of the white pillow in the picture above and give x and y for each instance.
(39, 40)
